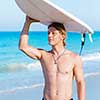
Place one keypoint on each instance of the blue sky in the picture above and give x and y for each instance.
(12, 18)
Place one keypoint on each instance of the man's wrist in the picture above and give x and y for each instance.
(26, 27)
(27, 23)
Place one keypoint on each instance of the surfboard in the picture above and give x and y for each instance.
(47, 12)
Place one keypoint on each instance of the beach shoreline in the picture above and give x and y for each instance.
(35, 91)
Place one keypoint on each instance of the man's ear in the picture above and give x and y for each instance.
(63, 37)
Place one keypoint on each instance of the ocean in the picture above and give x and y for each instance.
(18, 72)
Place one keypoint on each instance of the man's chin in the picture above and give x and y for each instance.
(51, 44)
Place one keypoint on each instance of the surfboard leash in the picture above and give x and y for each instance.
(83, 39)
(83, 42)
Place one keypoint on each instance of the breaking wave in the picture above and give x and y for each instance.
(91, 57)
(13, 67)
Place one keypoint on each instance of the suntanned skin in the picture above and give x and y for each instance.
(59, 65)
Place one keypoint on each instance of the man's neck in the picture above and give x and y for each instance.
(58, 49)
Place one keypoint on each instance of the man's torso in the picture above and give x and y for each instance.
(59, 76)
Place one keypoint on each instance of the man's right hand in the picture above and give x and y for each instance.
(30, 20)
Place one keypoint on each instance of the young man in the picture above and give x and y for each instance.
(59, 65)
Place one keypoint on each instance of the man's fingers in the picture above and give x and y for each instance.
(31, 19)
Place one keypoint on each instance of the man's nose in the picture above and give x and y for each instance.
(50, 34)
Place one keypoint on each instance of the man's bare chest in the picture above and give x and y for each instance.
(64, 64)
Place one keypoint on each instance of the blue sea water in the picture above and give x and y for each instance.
(18, 70)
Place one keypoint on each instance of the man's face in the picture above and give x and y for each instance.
(54, 37)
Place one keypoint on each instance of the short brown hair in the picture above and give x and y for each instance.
(60, 27)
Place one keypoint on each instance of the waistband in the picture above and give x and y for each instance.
(69, 99)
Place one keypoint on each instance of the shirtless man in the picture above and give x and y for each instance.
(59, 65)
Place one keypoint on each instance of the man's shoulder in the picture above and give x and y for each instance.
(76, 58)
(44, 51)
(74, 55)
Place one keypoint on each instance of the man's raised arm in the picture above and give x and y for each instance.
(23, 43)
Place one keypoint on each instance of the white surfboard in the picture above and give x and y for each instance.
(47, 12)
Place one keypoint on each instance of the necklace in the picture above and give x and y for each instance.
(56, 59)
